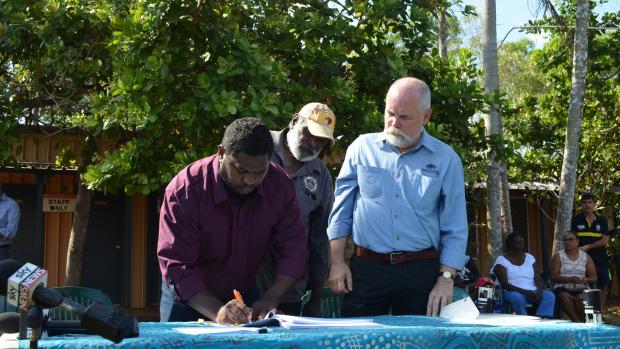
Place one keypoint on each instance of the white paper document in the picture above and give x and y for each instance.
(461, 310)
(210, 328)
(293, 322)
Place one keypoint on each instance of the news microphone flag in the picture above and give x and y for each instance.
(22, 283)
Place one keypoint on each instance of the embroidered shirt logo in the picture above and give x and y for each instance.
(311, 184)
(431, 168)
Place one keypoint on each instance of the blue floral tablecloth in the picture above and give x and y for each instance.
(400, 332)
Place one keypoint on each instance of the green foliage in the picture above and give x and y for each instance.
(185, 69)
(538, 121)
(162, 79)
(517, 75)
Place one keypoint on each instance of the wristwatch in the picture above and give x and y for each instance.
(446, 275)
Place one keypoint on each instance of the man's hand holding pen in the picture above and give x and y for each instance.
(234, 312)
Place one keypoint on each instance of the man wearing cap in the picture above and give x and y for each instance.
(401, 195)
(296, 149)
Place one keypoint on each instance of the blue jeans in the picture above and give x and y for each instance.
(518, 301)
(172, 309)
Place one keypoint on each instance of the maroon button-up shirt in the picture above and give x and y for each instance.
(207, 242)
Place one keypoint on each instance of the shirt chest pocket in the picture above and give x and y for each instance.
(215, 242)
(370, 181)
(424, 191)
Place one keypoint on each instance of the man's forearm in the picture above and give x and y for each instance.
(337, 248)
(602, 242)
(206, 304)
(279, 287)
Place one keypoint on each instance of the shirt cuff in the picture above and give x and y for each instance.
(188, 285)
(337, 231)
(453, 261)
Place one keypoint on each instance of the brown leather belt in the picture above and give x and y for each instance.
(396, 257)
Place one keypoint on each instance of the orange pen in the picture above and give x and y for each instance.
(238, 296)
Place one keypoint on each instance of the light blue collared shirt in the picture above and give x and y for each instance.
(9, 219)
(392, 201)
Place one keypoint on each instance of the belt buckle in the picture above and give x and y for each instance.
(392, 256)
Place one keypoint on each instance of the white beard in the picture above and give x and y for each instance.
(299, 151)
(397, 138)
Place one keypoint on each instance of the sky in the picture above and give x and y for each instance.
(511, 13)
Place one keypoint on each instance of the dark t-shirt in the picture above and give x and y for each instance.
(589, 233)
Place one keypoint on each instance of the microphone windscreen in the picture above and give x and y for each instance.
(47, 297)
(7, 268)
(9, 322)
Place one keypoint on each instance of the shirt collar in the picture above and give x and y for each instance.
(424, 141)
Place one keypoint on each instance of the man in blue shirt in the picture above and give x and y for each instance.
(9, 220)
(401, 196)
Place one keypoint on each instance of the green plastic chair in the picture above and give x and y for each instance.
(330, 303)
(82, 295)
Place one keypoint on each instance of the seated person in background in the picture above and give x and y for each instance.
(218, 218)
(465, 280)
(572, 270)
(520, 278)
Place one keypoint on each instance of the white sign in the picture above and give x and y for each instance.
(59, 203)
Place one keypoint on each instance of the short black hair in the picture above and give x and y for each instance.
(247, 135)
(510, 239)
(587, 196)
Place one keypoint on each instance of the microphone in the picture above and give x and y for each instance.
(9, 322)
(26, 287)
(23, 283)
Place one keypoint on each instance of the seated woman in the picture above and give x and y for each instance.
(572, 270)
(519, 276)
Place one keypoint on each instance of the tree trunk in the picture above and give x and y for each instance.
(77, 240)
(493, 123)
(573, 131)
(443, 33)
(506, 217)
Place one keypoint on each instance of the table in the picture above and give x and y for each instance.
(400, 332)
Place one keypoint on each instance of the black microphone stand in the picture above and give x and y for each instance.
(35, 322)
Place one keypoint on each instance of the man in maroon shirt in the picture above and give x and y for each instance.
(218, 218)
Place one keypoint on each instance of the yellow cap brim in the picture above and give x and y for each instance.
(319, 130)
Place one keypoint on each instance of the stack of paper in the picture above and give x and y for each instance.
(213, 328)
(292, 322)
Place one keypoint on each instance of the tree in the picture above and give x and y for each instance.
(573, 132)
(539, 121)
(185, 69)
(517, 73)
(493, 123)
(54, 56)
(162, 79)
